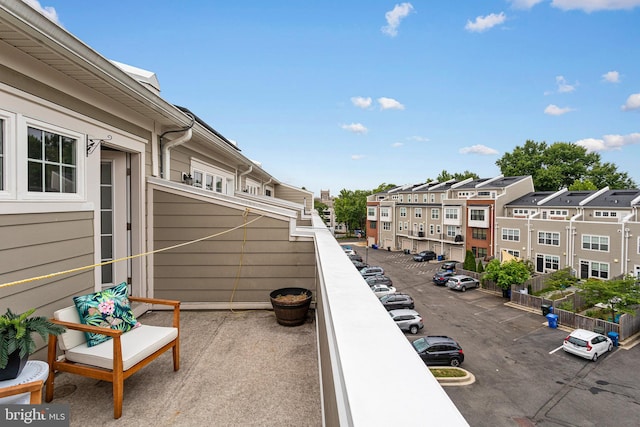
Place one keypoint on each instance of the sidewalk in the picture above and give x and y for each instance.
(236, 368)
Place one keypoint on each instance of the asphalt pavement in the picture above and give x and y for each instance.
(523, 377)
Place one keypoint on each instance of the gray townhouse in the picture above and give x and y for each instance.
(447, 218)
(594, 233)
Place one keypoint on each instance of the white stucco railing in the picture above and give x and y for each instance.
(355, 333)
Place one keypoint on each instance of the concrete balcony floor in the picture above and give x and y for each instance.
(236, 368)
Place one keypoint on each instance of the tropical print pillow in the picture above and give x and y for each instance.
(109, 308)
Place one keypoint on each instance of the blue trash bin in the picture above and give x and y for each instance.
(440, 257)
(552, 320)
(614, 336)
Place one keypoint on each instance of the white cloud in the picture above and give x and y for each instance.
(394, 16)
(611, 77)
(609, 142)
(478, 149)
(633, 102)
(524, 4)
(595, 5)
(389, 104)
(483, 23)
(47, 11)
(357, 156)
(563, 86)
(554, 110)
(397, 144)
(418, 138)
(355, 128)
(361, 102)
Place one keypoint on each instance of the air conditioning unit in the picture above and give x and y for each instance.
(420, 233)
(458, 238)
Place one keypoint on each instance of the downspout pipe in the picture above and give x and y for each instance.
(571, 241)
(165, 148)
(248, 171)
(624, 250)
(529, 233)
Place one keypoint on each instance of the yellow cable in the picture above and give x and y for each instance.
(237, 280)
(87, 267)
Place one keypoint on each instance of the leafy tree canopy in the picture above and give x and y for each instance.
(620, 294)
(560, 165)
(508, 273)
(351, 208)
(458, 176)
(383, 187)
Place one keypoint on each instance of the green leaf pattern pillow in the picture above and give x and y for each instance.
(109, 308)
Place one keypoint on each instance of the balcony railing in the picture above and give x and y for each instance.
(351, 342)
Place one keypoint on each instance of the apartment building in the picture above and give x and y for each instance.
(594, 233)
(448, 217)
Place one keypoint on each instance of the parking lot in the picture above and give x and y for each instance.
(523, 377)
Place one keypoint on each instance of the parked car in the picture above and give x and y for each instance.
(448, 266)
(381, 290)
(425, 256)
(372, 271)
(349, 250)
(587, 344)
(439, 350)
(407, 320)
(379, 280)
(397, 301)
(355, 257)
(461, 282)
(442, 277)
(360, 265)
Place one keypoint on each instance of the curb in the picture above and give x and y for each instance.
(468, 379)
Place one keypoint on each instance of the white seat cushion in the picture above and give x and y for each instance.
(70, 338)
(136, 344)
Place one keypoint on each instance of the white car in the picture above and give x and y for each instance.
(381, 290)
(587, 344)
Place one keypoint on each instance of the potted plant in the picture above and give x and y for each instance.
(16, 340)
(291, 305)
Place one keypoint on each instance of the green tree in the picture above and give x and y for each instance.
(458, 176)
(383, 187)
(480, 267)
(351, 209)
(469, 261)
(582, 185)
(508, 273)
(561, 280)
(619, 295)
(560, 165)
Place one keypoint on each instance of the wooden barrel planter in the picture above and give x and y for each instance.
(291, 305)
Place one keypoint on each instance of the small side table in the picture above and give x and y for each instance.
(34, 370)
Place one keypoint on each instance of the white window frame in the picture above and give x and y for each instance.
(511, 234)
(514, 252)
(403, 212)
(384, 212)
(399, 225)
(23, 192)
(386, 226)
(8, 189)
(218, 175)
(549, 262)
(451, 231)
(594, 240)
(438, 229)
(431, 228)
(477, 214)
(435, 213)
(418, 213)
(547, 238)
(451, 213)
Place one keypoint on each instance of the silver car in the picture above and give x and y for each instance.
(407, 320)
(461, 282)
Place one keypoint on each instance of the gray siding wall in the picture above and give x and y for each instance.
(208, 271)
(33, 245)
(294, 195)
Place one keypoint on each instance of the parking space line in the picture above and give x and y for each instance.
(511, 318)
(553, 351)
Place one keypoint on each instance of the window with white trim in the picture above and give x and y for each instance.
(403, 212)
(451, 213)
(400, 197)
(549, 262)
(435, 213)
(384, 213)
(595, 243)
(424, 198)
(406, 225)
(399, 225)
(421, 227)
(371, 211)
(212, 178)
(451, 231)
(557, 212)
(548, 238)
(386, 226)
(51, 162)
(521, 212)
(438, 229)
(597, 269)
(511, 234)
(477, 214)
(415, 198)
(433, 198)
(418, 212)
(605, 214)
(431, 229)
(513, 252)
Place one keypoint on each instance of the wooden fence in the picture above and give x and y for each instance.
(627, 325)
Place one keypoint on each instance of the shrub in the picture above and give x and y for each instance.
(480, 268)
(469, 261)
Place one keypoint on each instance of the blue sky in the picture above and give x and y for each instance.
(350, 94)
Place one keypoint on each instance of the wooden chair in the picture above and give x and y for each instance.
(34, 387)
(116, 359)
